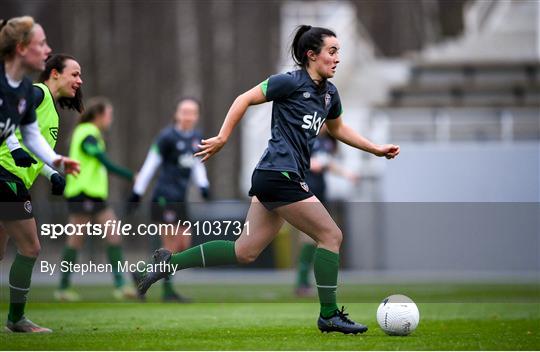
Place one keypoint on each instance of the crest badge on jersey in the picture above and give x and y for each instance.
(304, 186)
(22, 106)
(327, 99)
(306, 95)
(28, 207)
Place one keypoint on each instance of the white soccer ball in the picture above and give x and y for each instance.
(398, 315)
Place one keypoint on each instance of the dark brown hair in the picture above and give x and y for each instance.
(58, 62)
(94, 107)
(308, 38)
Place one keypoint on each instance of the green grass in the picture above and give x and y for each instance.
(262, 317)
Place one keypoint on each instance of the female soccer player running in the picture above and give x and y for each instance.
(303, 101)
(23, 49)
(60, 83)
(172, 153)
(87, 194)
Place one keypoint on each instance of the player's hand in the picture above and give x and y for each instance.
(58, 183)
(67, 166)
(389, 151)
(209, 147)
(22, 158)
(205, 193)
(133, 202)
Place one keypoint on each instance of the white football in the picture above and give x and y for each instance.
(398, 315)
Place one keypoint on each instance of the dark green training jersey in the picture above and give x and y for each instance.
(300, 107)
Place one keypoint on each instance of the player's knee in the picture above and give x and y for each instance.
(246, 256)
(31, 251)
(333, 239)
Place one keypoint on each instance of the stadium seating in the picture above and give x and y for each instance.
(463, 101)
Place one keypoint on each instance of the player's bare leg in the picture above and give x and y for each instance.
(312, 218)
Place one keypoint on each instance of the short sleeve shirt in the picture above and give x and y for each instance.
(299, 110)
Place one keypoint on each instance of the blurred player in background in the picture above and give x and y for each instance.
(23, 50)
(87, 194)
(322, 160)
(172, 153)
(303, 101)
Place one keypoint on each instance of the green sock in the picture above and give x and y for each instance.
(207, 254)
(326, 271)
(305, 261)
(167, 287)
(70, 256)
(114, 253)
(20, 276)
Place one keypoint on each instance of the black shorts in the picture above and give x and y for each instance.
(86, 205)
(275, 189)
(163, 212)
(15, 201)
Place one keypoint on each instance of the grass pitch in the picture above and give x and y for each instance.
(262, 317)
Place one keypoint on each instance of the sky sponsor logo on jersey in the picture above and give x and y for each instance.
(313, 122)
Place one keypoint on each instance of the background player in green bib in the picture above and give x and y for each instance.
(60, 84)
(23, 50)
(302, 101)
(88, 192)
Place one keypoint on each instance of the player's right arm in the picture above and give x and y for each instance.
(211, 146)
(274, 88)
(151, 164)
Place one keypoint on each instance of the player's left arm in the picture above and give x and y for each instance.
(58, 182)
(37, 144)
(91, 147)
(341, 131)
